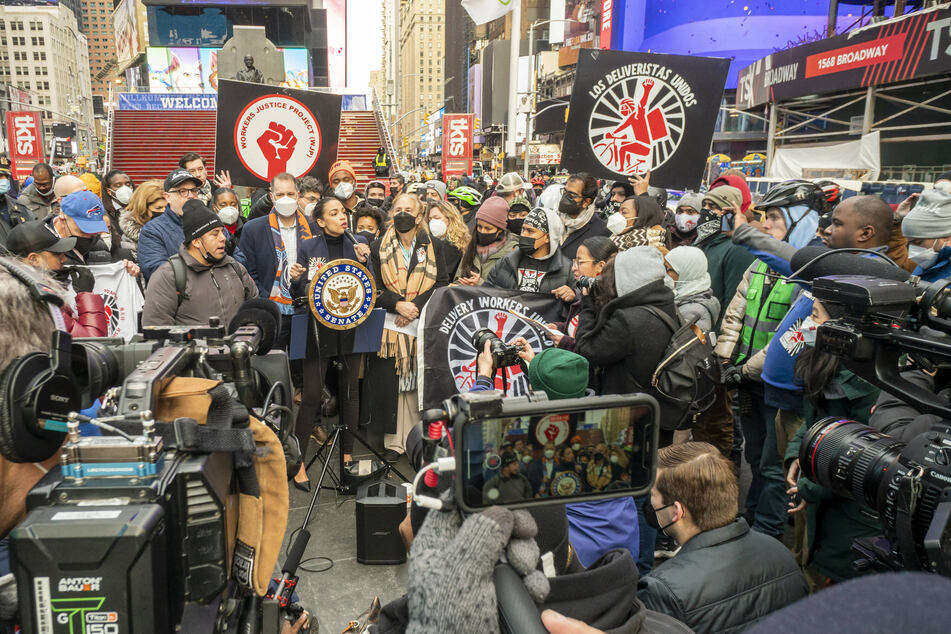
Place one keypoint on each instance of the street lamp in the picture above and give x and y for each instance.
(531, 74)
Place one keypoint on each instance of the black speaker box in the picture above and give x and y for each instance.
(381, 506)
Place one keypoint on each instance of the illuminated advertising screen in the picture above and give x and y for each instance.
(741, 31)
(186, 70)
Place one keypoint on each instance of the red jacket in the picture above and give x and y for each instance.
(91, 320)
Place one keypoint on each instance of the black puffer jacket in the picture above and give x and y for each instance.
(724, 580)
(505, 273)
(624, 339)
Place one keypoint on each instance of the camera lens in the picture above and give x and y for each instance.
(850, 459)
(96, 369)
(482, 335)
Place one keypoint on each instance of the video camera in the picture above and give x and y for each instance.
(132, 533)
(909, 486)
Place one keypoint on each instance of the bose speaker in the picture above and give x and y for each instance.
(381, 506)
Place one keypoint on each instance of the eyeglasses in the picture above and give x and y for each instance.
(577, 261)
(572, 195)
(189, 192)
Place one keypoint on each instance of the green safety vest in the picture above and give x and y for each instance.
(767, 302)
(380, 160)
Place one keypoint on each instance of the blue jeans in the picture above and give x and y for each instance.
(766, 501)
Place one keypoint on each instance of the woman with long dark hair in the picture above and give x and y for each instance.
(638, 222)
(832, 522)
(590, 259)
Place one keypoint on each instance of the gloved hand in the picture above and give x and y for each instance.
(731, 376)
(81, 278)
(451, 565)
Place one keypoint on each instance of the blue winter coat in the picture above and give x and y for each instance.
(256, 252)
(159, 240)
(940, 270)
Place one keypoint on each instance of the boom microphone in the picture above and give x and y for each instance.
(265, 315)
(841, 262)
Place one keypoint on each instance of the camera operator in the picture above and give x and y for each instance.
(214, 284)
(725, 575)
(45, 251)
(928, 230)
(26, 324)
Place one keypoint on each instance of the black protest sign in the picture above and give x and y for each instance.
(265, 130)
(450, 318)
(634, 112)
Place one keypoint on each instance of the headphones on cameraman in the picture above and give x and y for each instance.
(36, 384)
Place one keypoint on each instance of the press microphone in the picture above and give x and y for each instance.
(810, 263)
(351, 236)
(262, 314)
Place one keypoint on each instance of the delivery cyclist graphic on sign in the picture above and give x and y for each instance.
(627, 148)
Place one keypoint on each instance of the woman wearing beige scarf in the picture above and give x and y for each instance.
(409, 265)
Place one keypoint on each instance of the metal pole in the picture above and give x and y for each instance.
(515, 40)
(868, 120)
(771, 135)
(531, 87)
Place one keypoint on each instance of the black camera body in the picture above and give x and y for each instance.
(129, 533)
(503, 354)
(585, 281)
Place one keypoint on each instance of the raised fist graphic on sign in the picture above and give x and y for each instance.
(277, 143)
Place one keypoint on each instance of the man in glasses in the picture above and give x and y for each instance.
(162, 235)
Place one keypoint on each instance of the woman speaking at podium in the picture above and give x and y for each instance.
(323, 343)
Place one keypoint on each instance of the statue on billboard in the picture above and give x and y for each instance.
(249, 72)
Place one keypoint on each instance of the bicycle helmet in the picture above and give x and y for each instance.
(794, 192)
(659, 194)
(467, 195)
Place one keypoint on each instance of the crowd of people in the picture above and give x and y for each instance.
(624, 261)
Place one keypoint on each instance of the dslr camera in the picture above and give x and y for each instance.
(503, 354)
(133, 532)
(880, 333)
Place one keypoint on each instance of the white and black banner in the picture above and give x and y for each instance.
(447, 358)
(631, 113)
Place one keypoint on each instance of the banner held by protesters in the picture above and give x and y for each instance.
(631, 113)
(450, 318)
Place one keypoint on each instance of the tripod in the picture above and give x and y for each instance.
(342, 428)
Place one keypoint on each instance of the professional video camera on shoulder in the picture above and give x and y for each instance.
(172, 520)
(886, 321)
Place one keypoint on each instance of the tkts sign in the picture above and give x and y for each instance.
(265, 130)
(916, 45)
(636, 112)
(457, 144)
(25, 139)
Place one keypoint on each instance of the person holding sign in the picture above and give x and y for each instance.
(332, 244)
(408, 265)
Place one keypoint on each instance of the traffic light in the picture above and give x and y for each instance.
(478, 124)
(426, 119)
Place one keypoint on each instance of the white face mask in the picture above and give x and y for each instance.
(309, 209)
(285, 206)
(549, 453)
(924, 257)
(526, 458)
(576, 447)
(228, 215)
(614, 459)
(123, 195)
(617, 223)
(808, 329)
(437, 227)
(686, 222)
(343, 191)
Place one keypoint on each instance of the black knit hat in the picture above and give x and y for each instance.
(197, 220)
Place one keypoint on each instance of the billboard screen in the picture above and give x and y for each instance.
(187, 70)
(741, 31)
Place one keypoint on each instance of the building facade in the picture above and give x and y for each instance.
(43, 52)
(422, 52)
(97, 25)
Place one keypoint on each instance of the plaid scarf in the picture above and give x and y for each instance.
(409, 285)
(281, 288)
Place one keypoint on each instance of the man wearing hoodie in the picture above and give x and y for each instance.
(577, 212)
(537, 266)
(750, 322)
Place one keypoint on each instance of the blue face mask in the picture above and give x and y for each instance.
(4, 185)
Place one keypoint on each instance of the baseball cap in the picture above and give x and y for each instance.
(35, 236)
(510, 182)
(178, 176)
(85, 208)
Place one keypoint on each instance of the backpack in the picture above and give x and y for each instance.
(179, 273)
(685, 380)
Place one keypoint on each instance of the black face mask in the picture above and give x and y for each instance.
(650, 516)
(485, 239)
(514, 225)
(612, 207)
(527, 245)
(83, 245)
(209, 258)
(708, 225)
(568, 206)
(404, 222)
(369, 235)
(376, 202)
